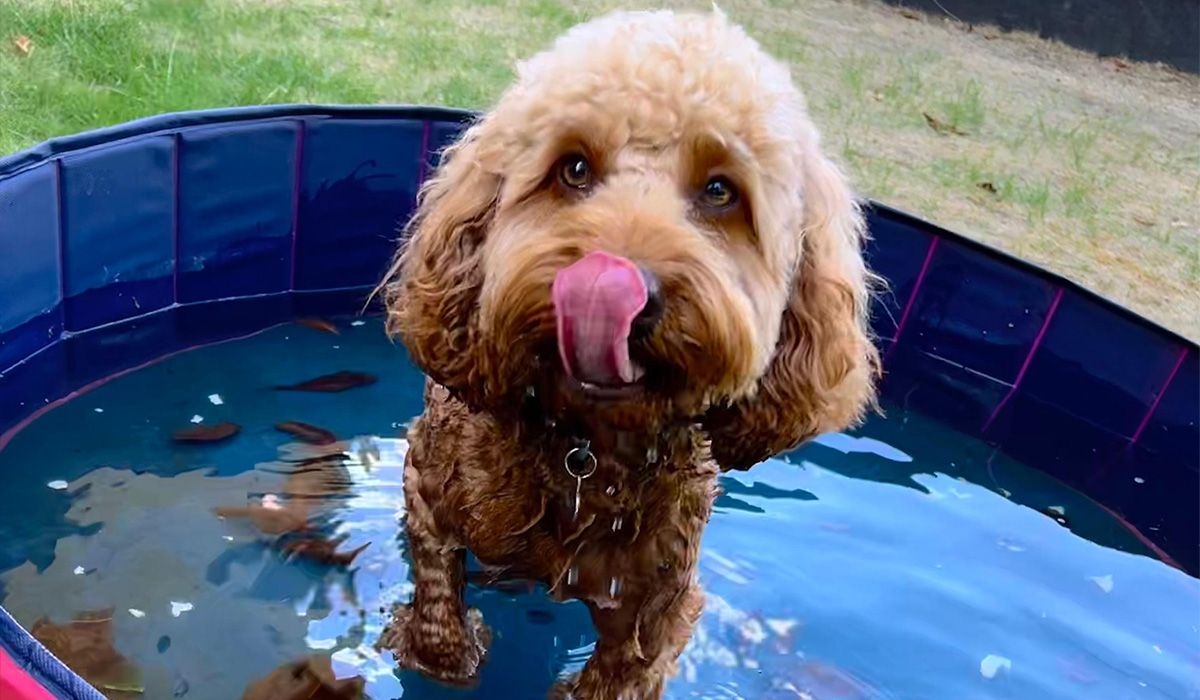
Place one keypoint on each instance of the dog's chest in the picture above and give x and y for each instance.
(625, 542)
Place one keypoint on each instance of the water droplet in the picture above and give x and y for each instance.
(611, 490)
(358, 323)
(98, 410)
(178, 609)
(530, 391)
(614, 587)
(58, 485)
(617, 522)
(80, 571)
(572, 576)
(1104, 583)
(215, 399)
(1138, 480)
(197, 418)
(652, 454)
(137, 613)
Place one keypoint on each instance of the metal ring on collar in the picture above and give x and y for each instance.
(589, 459)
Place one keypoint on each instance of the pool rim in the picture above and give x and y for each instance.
(60, 146)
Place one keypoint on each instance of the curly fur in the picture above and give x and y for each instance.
(763, 344)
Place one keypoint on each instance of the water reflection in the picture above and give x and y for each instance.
(887, 563)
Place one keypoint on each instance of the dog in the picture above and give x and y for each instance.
(634, 272)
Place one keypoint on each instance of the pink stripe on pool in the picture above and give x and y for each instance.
(423, 165)
(1137, 434)
(297, 185)
(7, 437)
(1037, 341)
(912, 298)
(15, 684)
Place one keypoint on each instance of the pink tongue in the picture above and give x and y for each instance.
(595, 302)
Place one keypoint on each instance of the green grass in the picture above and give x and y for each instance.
(1093, 173)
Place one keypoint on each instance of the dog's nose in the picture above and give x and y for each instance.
(646, 320)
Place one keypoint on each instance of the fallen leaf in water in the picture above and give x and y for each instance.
(986, 187)
(828, 681)
(940, 126)
(85, 645)
(320, 550)
(540, 617)
(207, 433)
(271, 521)
(319, 324)
(499, 580)
(307, 679)
(1077, 670)
(312, 484)
(306, 432)
(338, 381)
(22, 44)
(1058, 514)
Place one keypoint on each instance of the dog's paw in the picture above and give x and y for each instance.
(590, 685)
(564, 688)
(450, 652)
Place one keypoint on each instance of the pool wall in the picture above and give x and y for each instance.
(123, 245)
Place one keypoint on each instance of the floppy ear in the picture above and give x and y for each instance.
(823, 373)
(431, 292)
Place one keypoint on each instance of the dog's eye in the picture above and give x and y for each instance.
(575, 172)
(718, 193)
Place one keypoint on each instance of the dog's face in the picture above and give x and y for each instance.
(644, 228)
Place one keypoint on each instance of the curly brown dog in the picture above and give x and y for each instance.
(636, 271)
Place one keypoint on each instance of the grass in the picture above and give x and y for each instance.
(1088, 167)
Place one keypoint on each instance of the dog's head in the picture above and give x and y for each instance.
(646, 219)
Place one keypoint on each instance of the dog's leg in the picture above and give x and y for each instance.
(638, 646)
(435, 634)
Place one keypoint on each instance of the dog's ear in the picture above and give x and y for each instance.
(431, 292)
(822, 376)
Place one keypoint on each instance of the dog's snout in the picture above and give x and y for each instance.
(652, 312)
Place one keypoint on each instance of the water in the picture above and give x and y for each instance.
(892, 563)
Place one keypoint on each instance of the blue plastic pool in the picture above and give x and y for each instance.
(1022, 524)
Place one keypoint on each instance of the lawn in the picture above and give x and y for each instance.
(1089, 167)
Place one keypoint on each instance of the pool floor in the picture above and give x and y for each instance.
(900, 561)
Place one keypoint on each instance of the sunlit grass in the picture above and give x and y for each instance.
(1060, 159)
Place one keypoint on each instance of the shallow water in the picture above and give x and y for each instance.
(903, 561)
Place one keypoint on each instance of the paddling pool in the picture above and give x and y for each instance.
(1022, 522)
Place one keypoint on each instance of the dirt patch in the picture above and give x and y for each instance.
(1087, 166)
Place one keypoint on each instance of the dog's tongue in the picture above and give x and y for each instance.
(595, 302)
